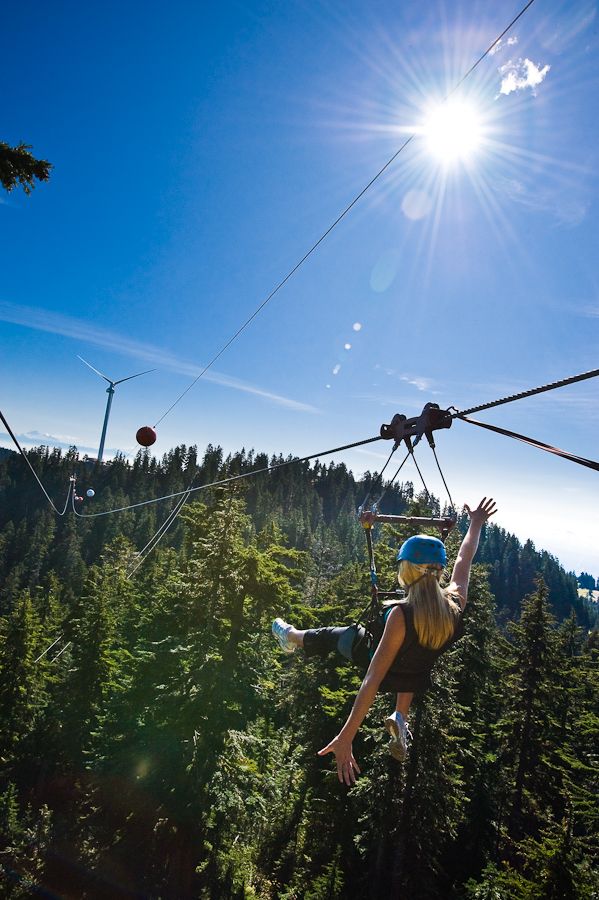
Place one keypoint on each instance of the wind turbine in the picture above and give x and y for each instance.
(110, 392)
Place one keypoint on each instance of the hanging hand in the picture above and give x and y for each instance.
(346, 764)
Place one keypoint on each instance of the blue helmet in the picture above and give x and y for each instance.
(423, 550)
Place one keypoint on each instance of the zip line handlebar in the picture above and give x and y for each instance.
(368, 518)
(425, 521)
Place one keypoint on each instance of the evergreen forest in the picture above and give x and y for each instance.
(156, 743)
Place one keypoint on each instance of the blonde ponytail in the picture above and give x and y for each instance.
(435, 611)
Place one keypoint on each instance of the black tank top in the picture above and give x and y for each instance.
(410, 671)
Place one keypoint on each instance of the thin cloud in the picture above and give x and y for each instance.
(41, 439)
(501, 44)
(574, 19)
(421, 382)
(371, 453)
(418, 381)
(521, 74)
(68, 326)
(564, 204)
(398, 404)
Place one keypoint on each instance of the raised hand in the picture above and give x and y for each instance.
(484, 510)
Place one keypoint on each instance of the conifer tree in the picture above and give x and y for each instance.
(529, 720)
(20, 687)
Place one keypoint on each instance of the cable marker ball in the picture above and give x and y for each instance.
(90, 493)
(146, 436)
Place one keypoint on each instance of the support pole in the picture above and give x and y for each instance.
(110, 392)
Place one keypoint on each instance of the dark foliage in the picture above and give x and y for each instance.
(19, 167)
(155, 743)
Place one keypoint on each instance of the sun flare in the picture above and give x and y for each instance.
(453, 132)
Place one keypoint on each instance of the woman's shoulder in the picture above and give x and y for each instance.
(396, 614)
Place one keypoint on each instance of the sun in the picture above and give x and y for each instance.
(453, 132)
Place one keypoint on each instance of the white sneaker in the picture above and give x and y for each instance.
(280, 630)
(397, 727)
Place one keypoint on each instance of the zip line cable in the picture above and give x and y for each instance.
(451, 503)
(48, 648)
(388, 485)
(157, 536)
(339, 218)
(488, 50)
(184, 495)
(281, 284)
(540, 445)
(34, 473)
(60, 652)
(530, 393)
(174, 514)
(379, 477)
(230, 479)
(426, 490)
(457, 414)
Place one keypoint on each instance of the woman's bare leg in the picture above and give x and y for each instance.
(403, 704)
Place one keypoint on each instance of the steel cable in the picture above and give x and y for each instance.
(530, 393)
(34, 473)
(232, 478)
(339, 218)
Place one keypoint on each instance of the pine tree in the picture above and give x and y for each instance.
(529, 721)
(21, 689)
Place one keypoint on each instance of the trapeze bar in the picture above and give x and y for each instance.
(415, 520)
(369, 517)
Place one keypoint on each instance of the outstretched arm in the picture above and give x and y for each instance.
(387, 650)
(461, 570)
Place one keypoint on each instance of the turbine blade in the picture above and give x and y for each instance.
(89, 365)
(129, 377)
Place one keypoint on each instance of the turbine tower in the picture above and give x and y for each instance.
(110, 392)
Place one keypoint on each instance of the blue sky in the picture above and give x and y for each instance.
(199, 150)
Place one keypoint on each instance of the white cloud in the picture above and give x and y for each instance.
(511, 41)
(79, 330)
(516, 76)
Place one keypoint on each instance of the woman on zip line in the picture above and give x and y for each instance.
(412, 634)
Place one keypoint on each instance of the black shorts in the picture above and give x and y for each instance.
(355, 644)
